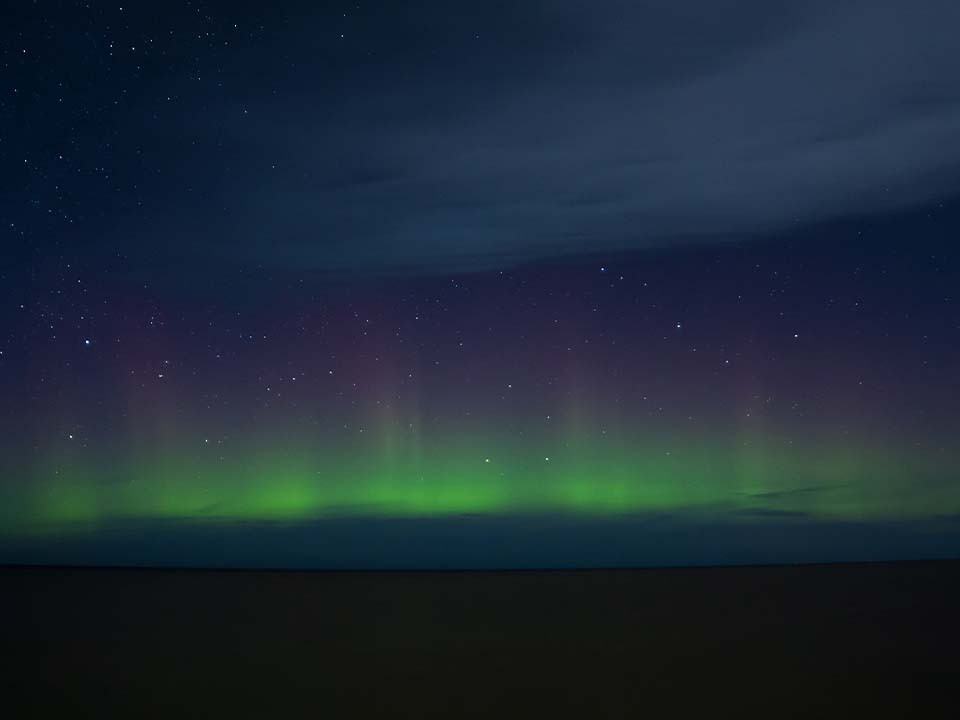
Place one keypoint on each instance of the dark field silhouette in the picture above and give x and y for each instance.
(786, 641)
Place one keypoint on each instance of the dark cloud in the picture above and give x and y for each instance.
(772, 513)
(434, 136)
(485, 542)
(793, 492)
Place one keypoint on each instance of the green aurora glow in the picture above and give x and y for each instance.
(404, 479)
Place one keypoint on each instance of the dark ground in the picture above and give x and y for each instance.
(803, 641)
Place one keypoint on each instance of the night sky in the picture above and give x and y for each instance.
(479, 284)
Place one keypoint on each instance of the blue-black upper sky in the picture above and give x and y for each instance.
(428, 136)
(551, 282)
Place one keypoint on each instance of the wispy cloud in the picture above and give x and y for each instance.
(640, 126)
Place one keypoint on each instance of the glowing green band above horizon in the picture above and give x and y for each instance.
(302, 483)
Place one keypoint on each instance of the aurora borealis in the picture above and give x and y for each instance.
(497, 395)
(258, 307)
(593, 482)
